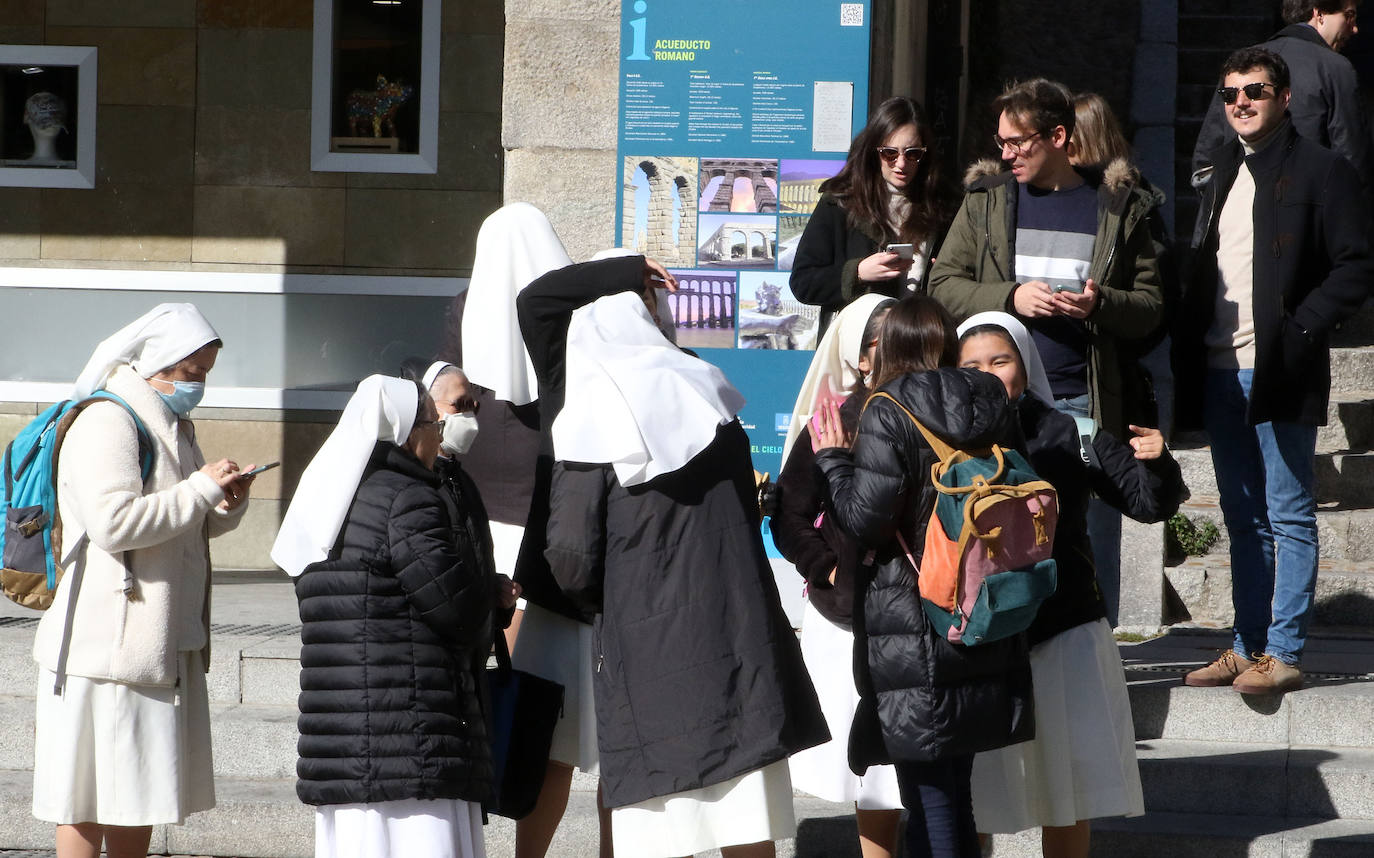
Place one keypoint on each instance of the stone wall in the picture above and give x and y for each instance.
(560, 97)
(203, 146)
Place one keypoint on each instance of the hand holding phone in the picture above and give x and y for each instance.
(259, 469)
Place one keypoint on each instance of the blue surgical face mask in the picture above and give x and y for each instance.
(186, 396)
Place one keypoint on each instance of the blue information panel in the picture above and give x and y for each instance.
(732, 112)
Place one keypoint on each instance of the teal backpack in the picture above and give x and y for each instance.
(31, 542)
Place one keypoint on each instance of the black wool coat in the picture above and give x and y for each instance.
(545, 309)
(395, 626)
(921, 697)
(1313, 269)
(699, 676)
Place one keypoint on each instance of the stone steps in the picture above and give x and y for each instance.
(1344, 598)
(1345, 478)
(1180, 776)
(1211, 835)
(1343, 535)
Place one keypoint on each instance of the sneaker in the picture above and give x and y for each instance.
(1223, 671)
(1269, 676)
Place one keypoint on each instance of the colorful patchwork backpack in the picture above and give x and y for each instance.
(987, 563)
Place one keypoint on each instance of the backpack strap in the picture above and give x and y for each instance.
(942, 449)
(76, 553)
(1087, 429)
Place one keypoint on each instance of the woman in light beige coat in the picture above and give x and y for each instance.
(123, 730)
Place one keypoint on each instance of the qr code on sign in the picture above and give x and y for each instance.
(851, 14)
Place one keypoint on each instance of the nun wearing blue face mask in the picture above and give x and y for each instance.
(123, 727)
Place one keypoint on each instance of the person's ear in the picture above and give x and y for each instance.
(1059, 137)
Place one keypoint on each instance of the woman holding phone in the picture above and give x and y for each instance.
(880, 218)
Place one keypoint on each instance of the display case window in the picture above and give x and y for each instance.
(47, 116)
(375, 104)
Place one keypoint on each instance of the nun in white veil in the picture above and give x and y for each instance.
(700, 691)
(395, 628)
(827, 559)
(122, 739)
(1081, 765)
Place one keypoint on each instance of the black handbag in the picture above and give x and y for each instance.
(524, 711)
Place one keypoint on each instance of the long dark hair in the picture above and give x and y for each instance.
(872, 333)
(863, 194)
(918, 334)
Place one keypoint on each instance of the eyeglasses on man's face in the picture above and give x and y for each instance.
(910, 153)
(1253, 91)
(1019, 145)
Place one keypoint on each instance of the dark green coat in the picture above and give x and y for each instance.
(975, 271)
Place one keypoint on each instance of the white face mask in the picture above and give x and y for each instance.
(460, 430)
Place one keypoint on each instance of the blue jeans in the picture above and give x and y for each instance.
(939, 803)
(1104, 526)
(1265, 476)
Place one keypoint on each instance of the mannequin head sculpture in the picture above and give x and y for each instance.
(46, 116)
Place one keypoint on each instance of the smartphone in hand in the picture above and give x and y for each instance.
(905, 251)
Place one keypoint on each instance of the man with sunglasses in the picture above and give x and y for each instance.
(1281, 256)
(1067, 250)
(1325, 103)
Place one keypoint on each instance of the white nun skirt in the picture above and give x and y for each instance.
(1081, 763)
(121, 754)
(408, 828)
(823, 771)
(751, 808)
(554, 647)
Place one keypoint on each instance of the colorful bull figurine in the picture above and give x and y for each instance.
(378, 106)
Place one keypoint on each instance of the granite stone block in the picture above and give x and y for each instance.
(254, 68)
(125, 13)
(295, 226)
(138, 65)
(145, 143)
(131, 222)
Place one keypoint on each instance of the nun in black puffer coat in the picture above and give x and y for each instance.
(392, 629)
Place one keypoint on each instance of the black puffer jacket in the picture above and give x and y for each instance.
(815, 551)
(1146, 491)
(921, 697)
(392, 625)
(699, 676)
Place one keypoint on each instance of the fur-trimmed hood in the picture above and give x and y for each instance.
(1118, 174)
(1119, 179)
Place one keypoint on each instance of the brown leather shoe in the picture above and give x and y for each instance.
(1223, 671)
(1269, 676)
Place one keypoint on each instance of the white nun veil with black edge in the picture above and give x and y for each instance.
(634, 400)
(1037, 382)
(381, 409)
(515, 247)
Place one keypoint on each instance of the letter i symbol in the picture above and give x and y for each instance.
(638, 25)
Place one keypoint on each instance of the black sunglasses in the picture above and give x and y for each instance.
(910, 153)
(1253, 91)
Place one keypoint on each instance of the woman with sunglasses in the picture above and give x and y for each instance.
(889, 192)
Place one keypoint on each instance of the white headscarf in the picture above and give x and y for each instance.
(433, 372)
(835, 367)
(515, 246)
(151, 343)
(1037, 382)
(634, 400)
(381, 409)
(665, 310)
